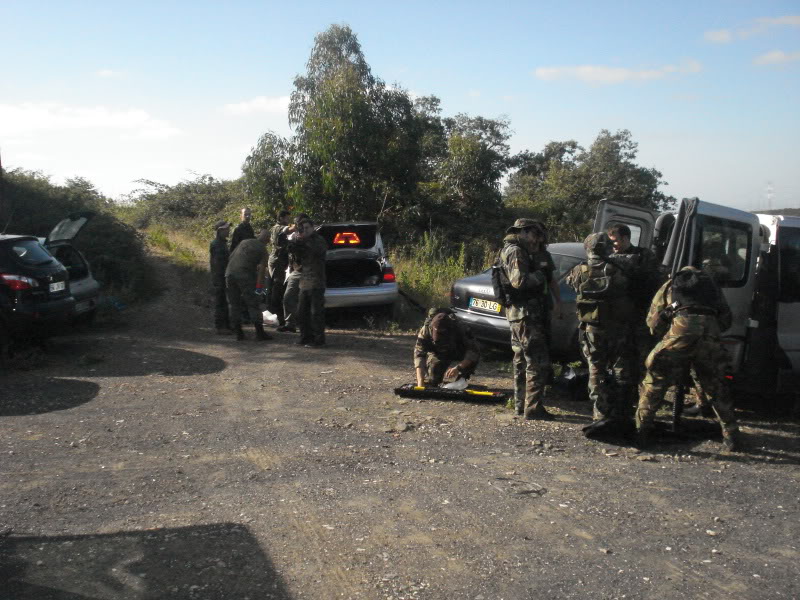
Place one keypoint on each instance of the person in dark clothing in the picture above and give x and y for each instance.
(244, 230)
(218, 262)
(310, 249)
(278, 262)
(291, 288)
(644, 275)
(246, 267)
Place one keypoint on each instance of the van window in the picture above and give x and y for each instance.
(723, 250)
(789, 245)
(636, 231)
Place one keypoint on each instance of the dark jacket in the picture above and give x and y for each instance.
(243, 231)
(218, 260)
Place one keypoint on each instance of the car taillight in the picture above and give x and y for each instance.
(18, 282)
(346, 237)
(388, 275)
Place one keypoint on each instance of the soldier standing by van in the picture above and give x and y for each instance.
(218, 262)
(529, 278)
(690, 312)
(606, 323)
(278, 262)
(644, 278)
(245, 268)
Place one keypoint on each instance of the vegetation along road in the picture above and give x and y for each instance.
(147, 458)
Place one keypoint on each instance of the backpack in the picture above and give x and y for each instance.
(501, 284)
(595, 292)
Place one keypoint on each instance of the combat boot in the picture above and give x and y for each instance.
(642, 438)
(287, 328)
(732, 442)
(239, 333)
(261, 335)
(538, 414)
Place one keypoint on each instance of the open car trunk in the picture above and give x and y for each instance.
(353, 272)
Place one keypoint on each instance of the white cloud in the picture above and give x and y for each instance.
(756, 27)
(719, 36)
(28, 118)
(791, 20)
(776, 57)
(108, 73)
(259, 104)
(605, 75)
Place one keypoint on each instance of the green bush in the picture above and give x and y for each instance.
(115, 250)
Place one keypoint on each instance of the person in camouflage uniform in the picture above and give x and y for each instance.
(607, 321)
(291, 290)
(218, 262)
(690, 312)
(529, 276)
(442, 340)
(310, 249)
(245, 268)
(278, 262)
(244, 230)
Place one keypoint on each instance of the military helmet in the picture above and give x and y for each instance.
(596, 245)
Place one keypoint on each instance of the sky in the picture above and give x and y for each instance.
(116, 92)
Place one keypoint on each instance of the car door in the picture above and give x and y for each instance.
(641, 221)
(725, 242)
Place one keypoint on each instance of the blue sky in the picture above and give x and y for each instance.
(116, 92)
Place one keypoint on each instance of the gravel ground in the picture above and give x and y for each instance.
(149, 458)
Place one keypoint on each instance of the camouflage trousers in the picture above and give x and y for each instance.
(220, 299)
(531, 363)
(242, 296)
(669, 363)
(612, 370)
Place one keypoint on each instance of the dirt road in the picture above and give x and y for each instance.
(148, 458)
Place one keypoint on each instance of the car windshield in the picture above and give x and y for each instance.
(348, 236)
(31, 252)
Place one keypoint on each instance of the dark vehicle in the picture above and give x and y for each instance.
(357, 270)
(83, 286)
(474, 303)
(34, 288)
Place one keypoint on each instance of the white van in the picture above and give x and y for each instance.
(756, 261)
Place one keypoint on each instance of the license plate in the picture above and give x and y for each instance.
(482, 304)
(57, 286)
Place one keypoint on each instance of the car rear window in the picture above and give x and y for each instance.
(348, 236)
(31, 252)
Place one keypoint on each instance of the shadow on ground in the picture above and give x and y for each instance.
(209, 562)
(30, 395)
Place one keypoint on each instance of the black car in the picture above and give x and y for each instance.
(45, 282)
(474, 303)
(34, 287)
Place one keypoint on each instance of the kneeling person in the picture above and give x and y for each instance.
(441, 341)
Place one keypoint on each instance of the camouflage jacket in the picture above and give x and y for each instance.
(530, 275)
(662, 319)
(308, 257)
(459, 346)
(218, 260)
(243, 231)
